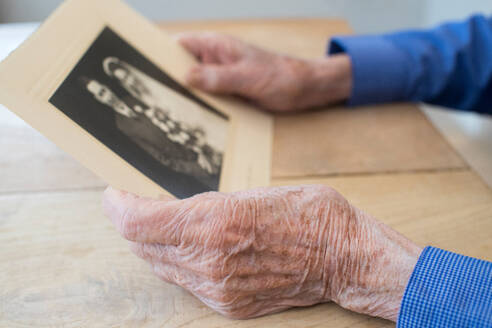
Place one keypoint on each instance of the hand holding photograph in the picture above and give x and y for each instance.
(112, 95)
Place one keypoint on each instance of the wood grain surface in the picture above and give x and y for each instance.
(30, 162)
(64, 265)
(389, 138)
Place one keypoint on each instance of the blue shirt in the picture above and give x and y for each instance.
(450, 65)
(447, 290)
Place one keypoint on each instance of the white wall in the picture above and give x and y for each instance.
(441, 10)
(26, 10)
(365, 16)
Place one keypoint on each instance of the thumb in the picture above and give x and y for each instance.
(223, 79)
(143, 219)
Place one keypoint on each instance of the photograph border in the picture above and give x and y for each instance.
(32, 73)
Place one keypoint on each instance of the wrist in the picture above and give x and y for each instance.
(328, 81)
(380, 264)
(394, 268)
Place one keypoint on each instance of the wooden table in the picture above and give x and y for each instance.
(63, 264)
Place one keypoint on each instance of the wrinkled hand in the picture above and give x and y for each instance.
(255, 252)
(273, 81)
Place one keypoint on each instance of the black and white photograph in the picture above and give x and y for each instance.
(142, 114)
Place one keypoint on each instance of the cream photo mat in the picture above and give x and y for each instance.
(33, 72)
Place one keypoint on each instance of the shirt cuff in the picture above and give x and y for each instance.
(379, 68)
(447, 290)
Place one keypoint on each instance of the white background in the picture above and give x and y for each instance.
(365, 16)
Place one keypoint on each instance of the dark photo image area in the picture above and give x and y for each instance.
(144, 116)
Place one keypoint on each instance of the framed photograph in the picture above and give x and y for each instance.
(111, 94)
(145, 116)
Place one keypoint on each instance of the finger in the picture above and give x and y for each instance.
(144, 219)
(185, 259)
(210, 47)
(155, 252)
(165, 271)
(194, 42)
(164, 264)
(228, 79)
(176, 275)
(169, 254)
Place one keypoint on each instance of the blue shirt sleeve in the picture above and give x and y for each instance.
(450, 65)
(447, 290)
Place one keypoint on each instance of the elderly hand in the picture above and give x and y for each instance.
(250, 253)
(275, 82)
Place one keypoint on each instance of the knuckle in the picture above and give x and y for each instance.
(128, 228)
(327, 191)
(223, 298)
(233, 307)
(214, 273)
(226, 304)
(137, 249)
(163, 274)
(234, 314)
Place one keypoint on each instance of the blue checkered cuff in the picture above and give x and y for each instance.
(447, 290)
